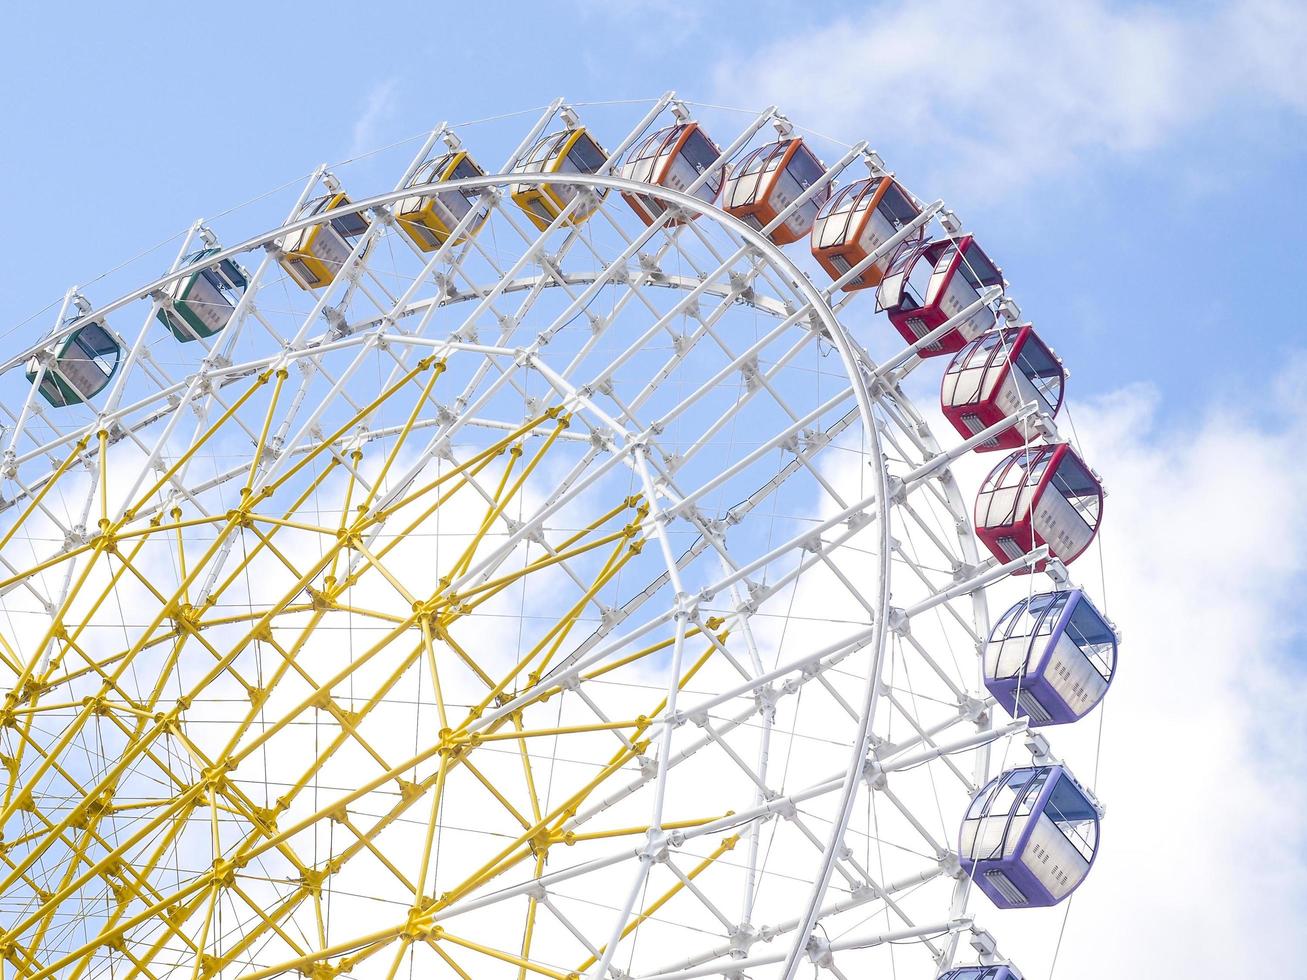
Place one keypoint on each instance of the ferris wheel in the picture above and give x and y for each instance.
(540, 568)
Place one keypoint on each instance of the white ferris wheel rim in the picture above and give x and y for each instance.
(868, 389)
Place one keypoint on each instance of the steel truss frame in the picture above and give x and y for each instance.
(149, 505)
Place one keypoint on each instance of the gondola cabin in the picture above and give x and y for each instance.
(674, 158)
(314, 255)
(200, 303)
(993, 376)
(429, 218)
(769, 180)
(1037, 496)
(981, 973)
(931, 282)
(855, 222)
(1029, 837)
(572, 151)
(1050, 658)
(77, 367)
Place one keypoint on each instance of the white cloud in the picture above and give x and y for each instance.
(995, 94)
(378, 107)
(1204, 755)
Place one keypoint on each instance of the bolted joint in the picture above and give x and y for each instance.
(896, 490)
(874, 774)
(818, 950)
(975, 710)
(897, 620)
(336, 321)
(656, 846)
(418, 926)
(950, 865)
(742, 937)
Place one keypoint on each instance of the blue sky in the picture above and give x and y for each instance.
(1136, 169)
(1152, 254)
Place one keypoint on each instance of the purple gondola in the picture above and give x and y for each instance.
(1029, 837)
(981, 973)
(1051, 658)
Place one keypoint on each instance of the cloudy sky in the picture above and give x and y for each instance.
(1137, 171)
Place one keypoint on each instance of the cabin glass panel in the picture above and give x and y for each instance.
(1074, 482)
(976, 268)
(1016, 637)
(643, 162)
(804, 167)
(908, 281)
(349, 225)
(1007, 492)
(1094, 638)
(742, 188)
(97, 345)
(1074, 816)
(544, 153)
(994, 822)
(939, 275)
(972, 375)
(585, 157)
(1043, 371)
(701, 153)
(896, 206)
(842, 213)
(978, 973)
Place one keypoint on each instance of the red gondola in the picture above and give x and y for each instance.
(769, 180)
(674, 157)
(993, 376)
(931, 282)
(858, 220)
(1036, 496)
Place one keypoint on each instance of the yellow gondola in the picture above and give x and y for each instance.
(314, 255)
(430, 219)
(570, 151)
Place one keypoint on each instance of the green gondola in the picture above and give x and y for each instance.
(79, 367)
(200, 304)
